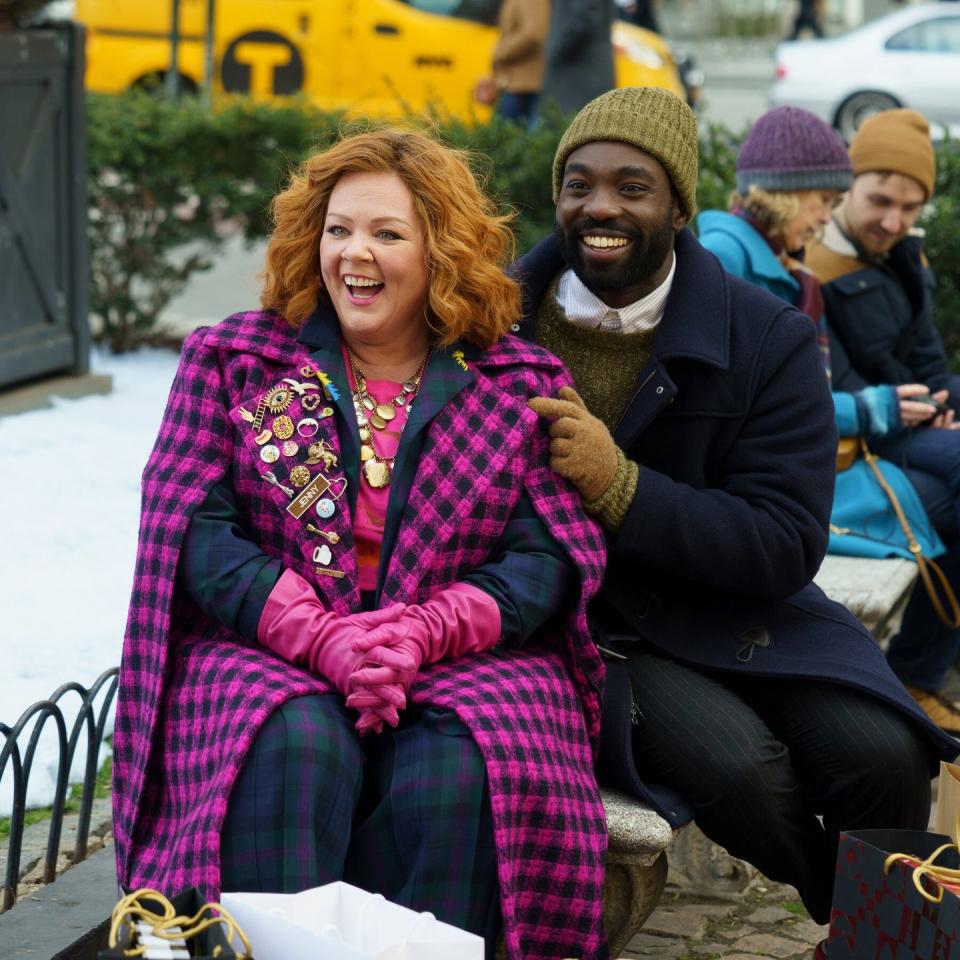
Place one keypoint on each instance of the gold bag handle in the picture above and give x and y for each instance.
(130, 907)
(927, 868)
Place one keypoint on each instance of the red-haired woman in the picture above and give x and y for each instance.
(357, 646)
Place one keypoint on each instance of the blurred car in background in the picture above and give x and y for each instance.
(910, 58)
(375, 57)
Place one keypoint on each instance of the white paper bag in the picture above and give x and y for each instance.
(341, 922)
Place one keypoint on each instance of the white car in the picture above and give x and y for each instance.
(910, 58)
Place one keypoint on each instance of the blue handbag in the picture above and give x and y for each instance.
(877, 513)
(863, 522)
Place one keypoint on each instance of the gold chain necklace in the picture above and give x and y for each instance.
(377, 470)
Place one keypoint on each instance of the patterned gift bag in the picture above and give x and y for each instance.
(888, 901)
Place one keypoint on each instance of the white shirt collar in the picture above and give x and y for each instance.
(586, 309)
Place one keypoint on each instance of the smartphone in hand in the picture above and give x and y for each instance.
(928, 401)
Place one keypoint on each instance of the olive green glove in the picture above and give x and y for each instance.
(581, 447)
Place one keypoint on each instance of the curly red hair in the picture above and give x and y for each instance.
(468, 243)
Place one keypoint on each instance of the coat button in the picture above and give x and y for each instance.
(514, 327)
(659, 390)
(749, 640)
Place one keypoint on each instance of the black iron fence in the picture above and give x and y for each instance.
(91, 717)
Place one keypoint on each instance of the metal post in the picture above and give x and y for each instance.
(208, 53)
(172, 84)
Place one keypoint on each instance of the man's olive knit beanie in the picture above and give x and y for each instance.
(653, 120)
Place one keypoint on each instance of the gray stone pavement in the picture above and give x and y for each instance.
(764, 922)
(33, 849)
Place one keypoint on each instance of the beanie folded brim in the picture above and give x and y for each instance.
(813, 178)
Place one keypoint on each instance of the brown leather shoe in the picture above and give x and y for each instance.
(941, 711)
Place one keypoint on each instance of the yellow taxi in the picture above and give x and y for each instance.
(372, 57)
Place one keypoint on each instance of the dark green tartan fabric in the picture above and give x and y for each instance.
(405, 814)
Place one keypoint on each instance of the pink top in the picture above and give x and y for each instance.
(371, 513)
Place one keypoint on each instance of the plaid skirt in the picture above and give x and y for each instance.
(405, 813)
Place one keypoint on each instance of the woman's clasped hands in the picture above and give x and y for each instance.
(297, 626)
(374, 656)
(387, 664)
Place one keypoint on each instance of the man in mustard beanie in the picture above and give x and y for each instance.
(877, 289)
(700, 434)
(876, 281)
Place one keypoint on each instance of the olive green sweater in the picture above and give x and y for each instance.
(604, 367)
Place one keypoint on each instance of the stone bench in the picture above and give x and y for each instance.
(874, 591)
(636, 866)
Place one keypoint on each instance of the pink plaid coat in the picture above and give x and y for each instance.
(193, 696)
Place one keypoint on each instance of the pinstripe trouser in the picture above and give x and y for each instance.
(405, 814)
(759, 759)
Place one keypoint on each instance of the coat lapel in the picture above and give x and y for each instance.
(321, 336)
(654, 391)
(296, 454)
(465, 445)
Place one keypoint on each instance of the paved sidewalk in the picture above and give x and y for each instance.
(765, 922)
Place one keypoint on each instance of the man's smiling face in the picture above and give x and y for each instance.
(617, 217)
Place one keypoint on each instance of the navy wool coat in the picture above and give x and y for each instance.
(732, 425)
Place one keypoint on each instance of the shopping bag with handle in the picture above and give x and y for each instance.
(896, 895)
(341, 922)
(148, 925)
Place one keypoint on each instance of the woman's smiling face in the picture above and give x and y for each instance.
(373, 259)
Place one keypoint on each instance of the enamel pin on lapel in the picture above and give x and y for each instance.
(329, 390)
(331, 536)
(271, 478)
(312, 494)
(309, 495)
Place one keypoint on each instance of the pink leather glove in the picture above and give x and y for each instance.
(455, 622)
(295, 625)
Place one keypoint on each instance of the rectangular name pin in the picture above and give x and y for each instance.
(305, 499)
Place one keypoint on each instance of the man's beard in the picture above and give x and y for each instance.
(647, 254)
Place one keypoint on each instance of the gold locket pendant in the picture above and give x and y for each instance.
(377, 473)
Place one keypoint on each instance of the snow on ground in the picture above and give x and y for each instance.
(71, 502)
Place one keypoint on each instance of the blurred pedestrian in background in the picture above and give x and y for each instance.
(518, 59)
(641, 13)
(579, 53)
(808, 17)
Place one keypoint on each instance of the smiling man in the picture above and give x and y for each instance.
(701, 435)
(877, 284)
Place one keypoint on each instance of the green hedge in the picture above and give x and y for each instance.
(168, 183)
(942, 223)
